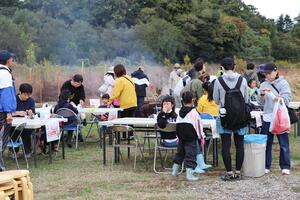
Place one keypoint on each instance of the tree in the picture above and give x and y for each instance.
(288, 24)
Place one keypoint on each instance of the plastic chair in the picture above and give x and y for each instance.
(17, 143)
(171, 127)
(68, 113)
(208, 134)
(117, 143)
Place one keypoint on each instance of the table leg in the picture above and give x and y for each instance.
(215, 152)
(103, 146)
(34, 148)
(50, 152)
(63, 144)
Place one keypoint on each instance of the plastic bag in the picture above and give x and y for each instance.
(281, 120)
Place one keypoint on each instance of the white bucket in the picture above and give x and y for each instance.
(254, 160)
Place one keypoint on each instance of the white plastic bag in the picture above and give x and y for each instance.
(280, 118)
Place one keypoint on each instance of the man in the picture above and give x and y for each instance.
(230, 92)
(7, 100)
(250, 74)
(76, 89)
(141, 82)
(174, 78)
(25, 107)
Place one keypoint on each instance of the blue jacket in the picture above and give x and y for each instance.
(8, 102)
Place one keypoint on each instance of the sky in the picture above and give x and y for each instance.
(273, 8)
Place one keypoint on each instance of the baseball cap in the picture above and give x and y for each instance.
(270, 67)
(6, 55)
(227, 62)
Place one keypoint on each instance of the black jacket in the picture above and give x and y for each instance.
(77, 93)
(162, 120)
(66, 104)
(141, 82)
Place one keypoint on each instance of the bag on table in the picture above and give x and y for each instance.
(281, 120)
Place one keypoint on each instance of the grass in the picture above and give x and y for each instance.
(82, 176)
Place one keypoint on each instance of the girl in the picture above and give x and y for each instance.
(206, 103)
(252, 90)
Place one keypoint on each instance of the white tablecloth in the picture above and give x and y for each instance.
(35, 123)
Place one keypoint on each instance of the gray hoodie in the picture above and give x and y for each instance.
(230, 79)
(284, 91)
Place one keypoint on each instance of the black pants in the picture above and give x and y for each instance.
(128, 112)
(186, 151)
(226, 145)
(140, 104)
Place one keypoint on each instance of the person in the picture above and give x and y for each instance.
(206, 103)
(236, 123)
(141, 82)
(25, 107)
(76, 89)
(271, 90)
(188, 129)
(195, 85)
(109, 82)
(124, 90)
(260, 73)
(64, 102)
(8, 103)
(191, 74)
(174, 77)
(250, 73)
(167, 115)
(252, 90)
(104, 104)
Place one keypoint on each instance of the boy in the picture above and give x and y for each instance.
(189, 130)
(25, 107)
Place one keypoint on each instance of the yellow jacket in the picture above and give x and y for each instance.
(124, 90)
(206, 106)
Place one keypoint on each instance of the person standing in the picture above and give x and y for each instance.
(124, 90)
(141, 82)
(275, 87)
(230, 93)
(251, 73)
(8, 102)
(76, 89)
(109, 82)
(174, 78)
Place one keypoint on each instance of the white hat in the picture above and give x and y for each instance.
(177, 66)
(110, 69)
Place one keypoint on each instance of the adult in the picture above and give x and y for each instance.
(191, 74)
(76, 89)
(124, 90)
(109, 82)
(260, 73)
(232, 80)
(174, 78)
(195, 85)
(275, 87)
(7, 100)
(251, 73)
(25, 107)
(141, 82)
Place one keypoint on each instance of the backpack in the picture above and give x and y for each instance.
(250, 76)
(181, 84)
(236, 116)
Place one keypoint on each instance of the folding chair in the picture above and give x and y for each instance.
(208, 135)
(68, 113)
(171, 127)
(93, 121)
(148, 136)
(17, 143)
(117, 143)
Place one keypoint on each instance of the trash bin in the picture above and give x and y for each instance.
(255, 155)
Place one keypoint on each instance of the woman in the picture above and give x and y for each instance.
(206, 103)
(271, 90)
(109, 82)
(124, 90)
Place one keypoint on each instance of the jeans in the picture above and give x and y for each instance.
(283, 139)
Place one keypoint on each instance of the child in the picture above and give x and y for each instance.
(188, 130)
(25, 107)
(252, 90)
(64, 102)
(206, 103)
(167, 115)
(104, 104)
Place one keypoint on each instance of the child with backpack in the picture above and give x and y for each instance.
(189, 130)
(230, 93)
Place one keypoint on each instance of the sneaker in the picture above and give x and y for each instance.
(238, 176)
(228, 177)
(267, 171)
(285, 172)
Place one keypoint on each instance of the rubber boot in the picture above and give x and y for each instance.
(190, 176)
(175, 169)
(201, 163)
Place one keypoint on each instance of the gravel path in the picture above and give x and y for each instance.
(273, 186)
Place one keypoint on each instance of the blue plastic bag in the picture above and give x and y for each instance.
(255, 138)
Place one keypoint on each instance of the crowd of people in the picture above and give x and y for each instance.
(225, 97)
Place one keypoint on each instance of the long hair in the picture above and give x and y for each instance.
(209, 88)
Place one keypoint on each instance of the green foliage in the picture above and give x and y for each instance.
(64, 32)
